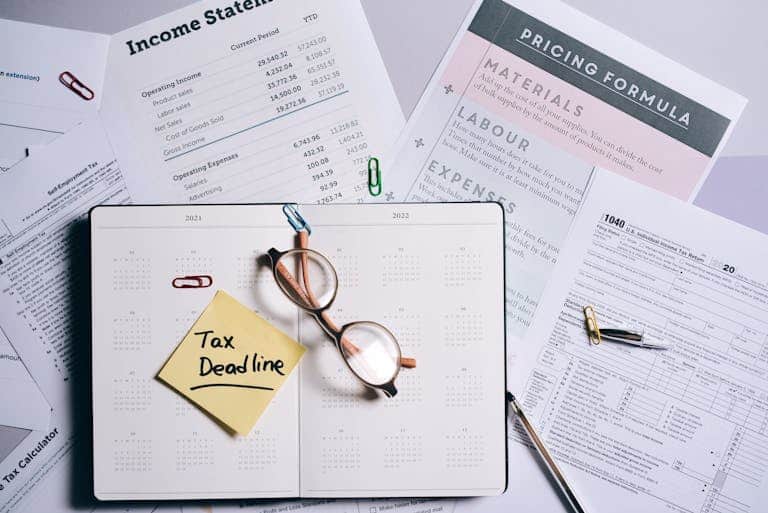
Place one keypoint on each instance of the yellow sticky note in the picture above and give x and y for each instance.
(231, 363)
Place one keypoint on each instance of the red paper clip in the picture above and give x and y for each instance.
(72, 83)
(192, 282)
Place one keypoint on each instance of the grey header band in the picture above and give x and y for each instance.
(597, 74)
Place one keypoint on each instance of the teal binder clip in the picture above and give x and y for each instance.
(291, 211)
(374, 176)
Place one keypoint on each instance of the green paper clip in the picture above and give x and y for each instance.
(291, 211)
(374, 182)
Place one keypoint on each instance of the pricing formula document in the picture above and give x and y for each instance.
(528, 99)
(250, 101)
(683, 429)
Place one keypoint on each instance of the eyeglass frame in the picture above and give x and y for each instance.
(330, 327)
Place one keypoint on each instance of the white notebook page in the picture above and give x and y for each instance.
(433, 274)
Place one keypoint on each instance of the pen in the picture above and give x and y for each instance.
(557, 474)
(632, 338)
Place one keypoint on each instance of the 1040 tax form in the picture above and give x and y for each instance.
(678, 430)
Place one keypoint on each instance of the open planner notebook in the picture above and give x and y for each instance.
(432, 273)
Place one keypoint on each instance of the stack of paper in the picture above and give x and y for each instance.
(266, 104)
(590, 142)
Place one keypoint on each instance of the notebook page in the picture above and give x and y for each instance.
(432, 274)
(149, 442)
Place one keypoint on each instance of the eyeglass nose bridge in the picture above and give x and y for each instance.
(328, 326)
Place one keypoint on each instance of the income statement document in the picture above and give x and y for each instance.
(683, 429)
(253, 100)
(529, 97)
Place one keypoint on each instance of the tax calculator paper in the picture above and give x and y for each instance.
(432, 273)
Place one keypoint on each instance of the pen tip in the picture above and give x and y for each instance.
(658, 344)
(510, 397)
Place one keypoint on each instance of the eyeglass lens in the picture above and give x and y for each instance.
(372, 352)
(307, 278)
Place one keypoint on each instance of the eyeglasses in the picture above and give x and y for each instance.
(369, 349)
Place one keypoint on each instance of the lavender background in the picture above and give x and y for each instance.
(721, 40)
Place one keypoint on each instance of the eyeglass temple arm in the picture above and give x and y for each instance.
(308, 296)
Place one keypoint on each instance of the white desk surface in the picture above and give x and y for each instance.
(725, 41)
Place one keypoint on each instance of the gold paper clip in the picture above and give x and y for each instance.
(593, 330)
